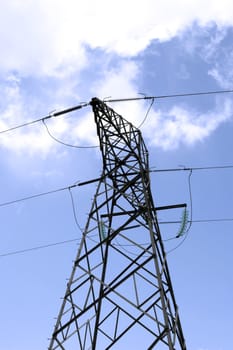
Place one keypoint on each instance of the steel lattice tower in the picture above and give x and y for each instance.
(120, 295)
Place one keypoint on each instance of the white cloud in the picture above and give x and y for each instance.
(165, 129)
(122, 82)
(49, 37)
(118, 81)
(205, 41)
(213, 45)
(225, 81)
(181, 126)
(222, 71)
(36, 40)
(16, 111)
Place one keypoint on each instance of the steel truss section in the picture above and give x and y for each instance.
(119, 295)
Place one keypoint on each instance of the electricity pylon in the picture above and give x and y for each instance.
(120, 295)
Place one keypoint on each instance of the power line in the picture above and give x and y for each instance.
(38, 247)
(170, 96)
(3, 204)
(72, 109)
(74, 211)
(26, 250)
(51, 115)
(190, 222)
(147, 113)
(191, 202)
(218, 167)
(198, 221)
(61, 142)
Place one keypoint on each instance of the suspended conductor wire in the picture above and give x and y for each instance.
(61, 142)
(197, 221)
(72, 109)
(4, 204)
(21, 125)
(51, 115)
(191, 216)
(217, 167)
(26, 250)
(22, 251)
(117, 244)
(190, 201)
(74, 211)
(147, 113)
(178, 245)
(122, 246)
(170, 96)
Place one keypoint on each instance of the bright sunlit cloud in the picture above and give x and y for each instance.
(50, 37)
(180, 126)
(54, 44)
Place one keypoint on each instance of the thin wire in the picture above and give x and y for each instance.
(189, 168)
(147, 113)
(71, 109)
(170, 96)
(21, 125)
(78, 239)
(178, 245)
(37, 195)
(74, 211)
(197, 221)
(51, 115)
(90, 181)
(122, 246)
(61, 142)
(191, 216)
(190, 201)
(38, 247)
(172, 238)
(56, 243)
(118, 244)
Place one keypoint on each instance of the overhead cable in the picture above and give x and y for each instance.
(147, 113)
(87, 182)
(51, 115)
(197, 221)
(190, 222)
(62, 142)
(183, 168)
(74, 211)
(4, 204)
(72, 109)
(169, 96)
(26, 250)
(191, 201)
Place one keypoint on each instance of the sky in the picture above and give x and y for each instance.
(58, 54)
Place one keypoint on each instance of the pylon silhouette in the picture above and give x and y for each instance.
(120, 294)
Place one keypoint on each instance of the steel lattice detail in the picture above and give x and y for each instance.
(120, 295)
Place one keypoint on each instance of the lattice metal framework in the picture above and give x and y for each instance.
(120, 295)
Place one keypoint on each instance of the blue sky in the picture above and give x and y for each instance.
(56, 54)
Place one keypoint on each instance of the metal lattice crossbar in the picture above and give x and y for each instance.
(120, 294)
